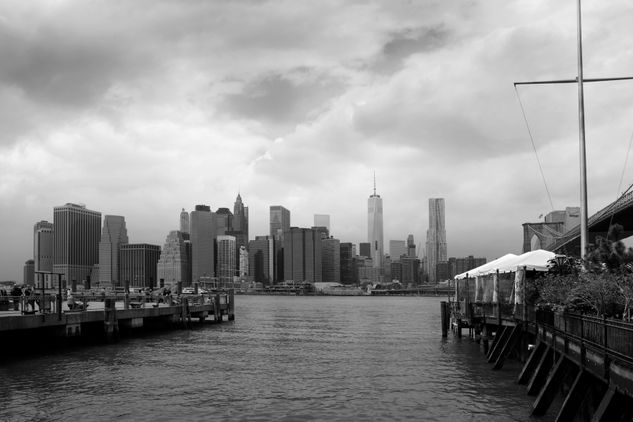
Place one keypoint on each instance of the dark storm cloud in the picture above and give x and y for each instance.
(282, 100)
(406, 43)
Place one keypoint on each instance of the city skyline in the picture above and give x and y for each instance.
(297, 104)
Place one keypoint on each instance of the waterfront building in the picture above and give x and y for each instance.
(331, 260)
(348, 275)
(184, 221)
(202, 233)
(364, 249)
(174, 263)
(410, 246)
(262, 259)
(227, 268)
(397, 248)
(77, 231)
(113, 235)
(302, 255)
(322, 220)
(374, 228)
(436, 250)
(279, 224)
(29, 272)
(138, 264)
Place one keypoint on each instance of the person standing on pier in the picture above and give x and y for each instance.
(16, 293)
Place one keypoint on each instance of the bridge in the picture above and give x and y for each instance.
(618, 212)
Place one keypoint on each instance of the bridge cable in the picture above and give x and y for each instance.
(527, 125)
(618, 195)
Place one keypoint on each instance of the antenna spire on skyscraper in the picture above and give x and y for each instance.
(374, 183)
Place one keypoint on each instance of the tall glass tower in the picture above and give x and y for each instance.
(374, 228)
(114, 235)
(435, 238)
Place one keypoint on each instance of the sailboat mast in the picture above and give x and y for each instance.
(583, 155)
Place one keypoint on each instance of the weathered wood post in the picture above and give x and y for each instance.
(217, 308)
(110, 322)
(231, 304)
(126, 298)
(59, 297)
(444, 318)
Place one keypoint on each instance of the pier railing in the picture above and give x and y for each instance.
(85, 302)
(612, 336)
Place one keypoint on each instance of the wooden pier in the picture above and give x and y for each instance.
(105, 317)
(578, 367)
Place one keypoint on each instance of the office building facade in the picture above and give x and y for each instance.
(331, 260)
(139, 264)
(302, 255)
(184, 221)
(113, 235)
(397, 248)
(227, 265)
(436, 249)
(174, 263)
(77, 231)
(261, 254)
(43, 236)
(202, 234)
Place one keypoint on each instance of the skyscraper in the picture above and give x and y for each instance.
(227, 265)
(435, 238)
(202, 233)
(223, 221)
(240, 221)
(302, 255)
(261, 252)
(184, 221)
(114, 235)
(279, 224)
(374, 228)
(43, 246)
(76, 241)
(348, 269)
(410, 246)
(331, 260)
(174, 264)
(279, 221)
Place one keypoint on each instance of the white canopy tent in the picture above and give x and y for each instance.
(487, 268)
(533, 260)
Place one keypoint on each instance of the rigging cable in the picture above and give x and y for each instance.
(534, 146)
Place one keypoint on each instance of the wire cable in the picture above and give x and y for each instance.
(527, 125)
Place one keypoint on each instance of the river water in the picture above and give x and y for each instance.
(284, 358)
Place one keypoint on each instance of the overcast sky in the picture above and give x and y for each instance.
(141, 108)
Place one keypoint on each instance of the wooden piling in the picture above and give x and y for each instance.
(444, 319)
(231, 305)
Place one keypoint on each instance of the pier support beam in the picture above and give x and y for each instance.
(540, 375)
(444, 318)
(510, 344)
(532, 362)
(110, 322)
(231, 305)
(563, 370)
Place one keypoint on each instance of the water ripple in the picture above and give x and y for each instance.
(283, 359)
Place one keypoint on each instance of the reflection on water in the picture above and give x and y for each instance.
(284, 358)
